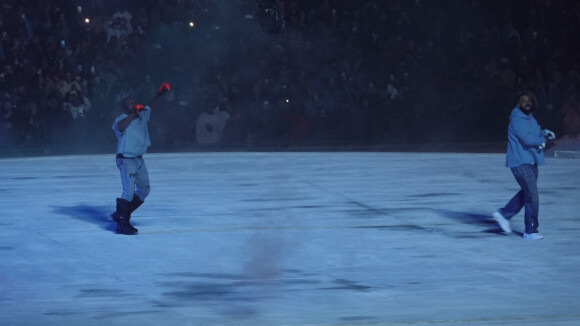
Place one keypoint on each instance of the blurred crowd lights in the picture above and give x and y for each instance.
(87, 20)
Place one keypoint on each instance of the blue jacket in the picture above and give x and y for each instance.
(524, 138)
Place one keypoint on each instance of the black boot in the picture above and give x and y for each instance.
(115, 216)
(124, 214)
(133, 205)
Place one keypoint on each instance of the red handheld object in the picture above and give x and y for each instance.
(163, 88)
(138, 108)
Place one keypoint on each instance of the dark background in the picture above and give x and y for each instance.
(291, 75)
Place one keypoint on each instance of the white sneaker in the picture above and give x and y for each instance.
(533, 236)
(503, 223)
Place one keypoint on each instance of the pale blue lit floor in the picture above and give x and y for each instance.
(287, 239)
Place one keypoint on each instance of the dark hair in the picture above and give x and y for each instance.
(531, 95)
(128, 97)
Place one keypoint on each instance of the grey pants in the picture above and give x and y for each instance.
(134, 177)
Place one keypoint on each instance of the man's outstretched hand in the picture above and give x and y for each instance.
(164, 88)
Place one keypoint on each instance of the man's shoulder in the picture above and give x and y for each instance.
(121, 117)
(518, 115)
(118, 119)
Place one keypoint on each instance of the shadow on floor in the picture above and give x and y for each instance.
(99, 216)
(482, 220)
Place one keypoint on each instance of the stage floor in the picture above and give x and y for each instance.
(287, 239)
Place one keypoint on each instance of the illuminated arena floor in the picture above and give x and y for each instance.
(287, 239)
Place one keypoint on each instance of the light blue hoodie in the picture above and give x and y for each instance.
(524, 138)
(134, 141)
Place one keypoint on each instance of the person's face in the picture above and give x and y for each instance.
(128, 105)
(525, 103)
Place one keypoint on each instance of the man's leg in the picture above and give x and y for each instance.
(513, 206)
(527, 177)
(140, 180)
(142, 186)
(503, 215)
(124, 213)
(128, 168)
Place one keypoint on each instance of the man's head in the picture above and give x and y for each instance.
(526, 101)
(128, 105)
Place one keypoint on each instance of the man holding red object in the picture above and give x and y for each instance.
(131, 129)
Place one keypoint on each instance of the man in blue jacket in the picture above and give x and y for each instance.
(525, 152)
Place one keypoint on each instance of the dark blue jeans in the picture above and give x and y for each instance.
(527, 177)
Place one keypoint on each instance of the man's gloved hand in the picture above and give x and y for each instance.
(541, 147)
(164, 88)
(138, 108)
(550, 135)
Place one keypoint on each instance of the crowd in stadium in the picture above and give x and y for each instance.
(250, 74)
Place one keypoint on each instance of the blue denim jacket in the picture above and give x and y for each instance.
(524, 137)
